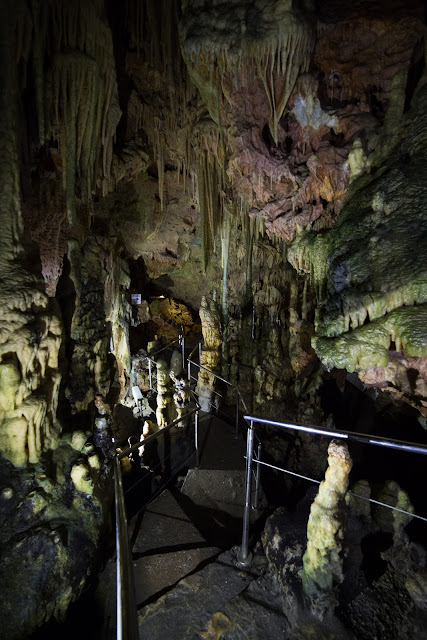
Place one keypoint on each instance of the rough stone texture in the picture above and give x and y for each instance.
(322, 561)
(49, 537)
(417, 588)
(175, 614)
(164, 394)
(88, 367)
(368, 275)
(210, 355)
(374, 599)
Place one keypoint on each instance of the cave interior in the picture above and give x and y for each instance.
(251, 174)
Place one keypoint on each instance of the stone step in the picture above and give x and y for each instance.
(221, 489)
(223, 601)
(166, 547)
(255, 613)
(193, 605)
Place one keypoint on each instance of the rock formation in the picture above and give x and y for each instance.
(164, 395)
(322, 561)
(181, 396)
(210, 355)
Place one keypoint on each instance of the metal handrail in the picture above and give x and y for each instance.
(154, 436)
(196, 347)
(401, 445)
(126, 615)
(163, 348)
(127, 620)
(150, 358)
(239, 396)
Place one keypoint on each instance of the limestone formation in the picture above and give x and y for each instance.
(146, 430)
(417, 588)
(181, 396)
(357, 161)
(210, 355)
(393, 520)
(274, 37)
(210, 324)
(164, 395)
(322, 562)
(102, 432)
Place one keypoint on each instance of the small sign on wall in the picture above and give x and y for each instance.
(135, 298)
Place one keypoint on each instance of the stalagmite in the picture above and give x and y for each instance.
(210, 356)
(181, 396)
(164, 395)
(322, 560)
(146, 430)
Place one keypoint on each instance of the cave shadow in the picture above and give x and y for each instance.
(217, 527)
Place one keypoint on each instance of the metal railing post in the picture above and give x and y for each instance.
(200, 352)
(236, 427)
(244, 556)
(257, 478)
(149, 375)
(196, 437)
(183, 347)
(127, 621)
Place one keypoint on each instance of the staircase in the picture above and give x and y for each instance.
(184, 532)
(185, 527)
(186, 576)
(189, 583)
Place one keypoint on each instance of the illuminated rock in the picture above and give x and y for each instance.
(210, 355)
(322, 561)
(218, 38)
(164, 395)
(181, 396)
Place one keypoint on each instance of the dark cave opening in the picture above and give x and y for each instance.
(158, 316)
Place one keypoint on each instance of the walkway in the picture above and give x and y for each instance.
(189, 524)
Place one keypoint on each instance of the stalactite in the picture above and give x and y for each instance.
(75, 91)
(305, 304)
(153, 33)
(309, 254)
(278, 55)
(159, 153)
(211, 214)
(225, 246)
